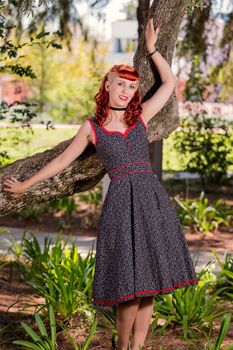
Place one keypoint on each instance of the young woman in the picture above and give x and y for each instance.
(141, 250)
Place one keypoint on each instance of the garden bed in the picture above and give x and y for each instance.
(17, 302)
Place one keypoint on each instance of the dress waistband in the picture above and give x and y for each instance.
(129, 168)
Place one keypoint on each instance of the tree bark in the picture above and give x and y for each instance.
(142, 14)
(87, 170)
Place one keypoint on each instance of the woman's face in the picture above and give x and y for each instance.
(121, 91)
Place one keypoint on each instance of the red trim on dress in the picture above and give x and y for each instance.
(124, 134)
(122, 166)
(153, 291)
(132, 172)
(144, 124)
(93, 128)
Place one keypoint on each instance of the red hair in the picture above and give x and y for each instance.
(102, 98)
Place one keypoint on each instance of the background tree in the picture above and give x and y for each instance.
(129, 9)
(199, 43)
(66, 82)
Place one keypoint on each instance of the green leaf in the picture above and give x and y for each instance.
(41, 325)
(223, 330)
(27, 344)
(29, 330)
(52, 326)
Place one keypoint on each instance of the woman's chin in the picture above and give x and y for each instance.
(121, 104)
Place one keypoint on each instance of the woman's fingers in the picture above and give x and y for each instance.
(11, 178)
(14, 178)
(12, 185)
(9, 181)
(150, 25)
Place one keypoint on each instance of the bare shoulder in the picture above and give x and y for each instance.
(88, 130)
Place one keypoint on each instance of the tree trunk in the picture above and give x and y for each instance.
(87, 170)
(142, 14)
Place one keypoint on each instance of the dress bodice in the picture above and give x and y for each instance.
(119, 149)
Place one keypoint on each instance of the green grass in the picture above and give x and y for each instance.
(21, 143)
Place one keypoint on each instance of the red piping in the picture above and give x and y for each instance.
(122, 166)
(124, 134)
(146, 127)
(132, 172)
(146, 292)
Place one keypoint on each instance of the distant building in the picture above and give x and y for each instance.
(123, 42)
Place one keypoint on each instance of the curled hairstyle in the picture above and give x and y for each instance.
(102, 97)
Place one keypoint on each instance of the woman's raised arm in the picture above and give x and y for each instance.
(77, 146)
(161, 96)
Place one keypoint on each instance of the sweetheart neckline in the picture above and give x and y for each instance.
(123, 133)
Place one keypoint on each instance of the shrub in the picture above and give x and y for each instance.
(205, 145)
(201, 215)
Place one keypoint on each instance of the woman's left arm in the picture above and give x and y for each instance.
(169, 81)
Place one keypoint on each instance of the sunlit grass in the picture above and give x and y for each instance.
(21, 143)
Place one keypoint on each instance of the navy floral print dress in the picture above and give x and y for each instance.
(141, 249)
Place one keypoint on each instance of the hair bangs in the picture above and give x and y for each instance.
(128, 74)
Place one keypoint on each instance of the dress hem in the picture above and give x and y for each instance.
(144, 293)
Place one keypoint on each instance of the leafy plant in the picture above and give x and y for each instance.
(204, 144)
(4, 158)
(222, 333)
(110, 317)
(61, 289)
(225, 276)
(65, 204)
(42, 341)
(93, 197)
(29, 254)
(192, 308)
(60, 274)
(201, 215)
(33, 212)
(13, 246)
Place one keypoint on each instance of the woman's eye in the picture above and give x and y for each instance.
(120, 84)
(132, 87)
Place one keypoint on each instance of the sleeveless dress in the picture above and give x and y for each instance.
(141, 249)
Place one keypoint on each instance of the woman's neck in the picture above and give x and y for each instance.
(117, 116)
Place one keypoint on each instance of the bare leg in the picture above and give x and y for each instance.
(126, 313)
(142, 322)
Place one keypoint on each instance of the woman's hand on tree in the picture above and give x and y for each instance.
(151, 35)
(14, 186)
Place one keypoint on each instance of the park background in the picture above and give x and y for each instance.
(52, 62)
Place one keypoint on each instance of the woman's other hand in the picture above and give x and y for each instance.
(14, 186)
(151, 35)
